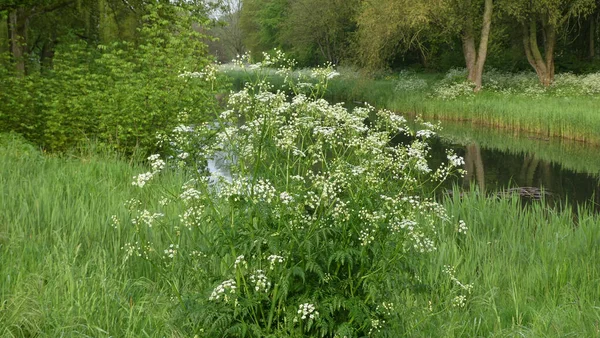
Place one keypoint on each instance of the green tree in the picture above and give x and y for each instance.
(322, 26)
(541, 21)
(262, 22)
(20, 15)
(389, 25)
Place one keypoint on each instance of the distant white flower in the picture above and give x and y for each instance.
(224, 290)
(141, 179)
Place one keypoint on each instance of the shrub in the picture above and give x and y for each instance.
(314, 226)
(122, 94)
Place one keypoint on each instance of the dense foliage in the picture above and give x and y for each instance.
(123, 94)
(509, 35)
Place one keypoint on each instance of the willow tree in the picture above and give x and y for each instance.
(387, 25)
(475, 56)
(322, 26)
(540, 21)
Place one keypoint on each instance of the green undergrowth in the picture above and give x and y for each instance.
(511, 270)
(568, 109)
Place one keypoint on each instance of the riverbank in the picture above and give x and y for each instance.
(511, 270)
(568, 109)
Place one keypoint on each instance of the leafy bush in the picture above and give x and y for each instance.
(122, 94)
(315, 225)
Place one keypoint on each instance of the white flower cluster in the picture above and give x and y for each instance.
(307, 311)
(240, 261)
(156, 162)
(157, 165)
(273, 260)
(422, 243)
(192, 216)
(147, 218)
(286, 198)
(263, 191)
(190, 194)
(141, 179)
(461, 299)
(132, 204)
(171, 251)
(260, 281)
(209, 73)
(376, 325)
(115, 221)
(366, 236)
(462, 228)
(137, 250)
(455, 160)
(224, 290)
(386, 308)
(396, 225)
(408, 82)
(326, 72)
(164, 201)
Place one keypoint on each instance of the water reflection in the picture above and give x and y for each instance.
(491, 170)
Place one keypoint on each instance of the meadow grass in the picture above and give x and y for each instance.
(62, 271)
(532, 269)
(568, 114)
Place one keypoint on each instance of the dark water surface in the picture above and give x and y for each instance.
(497, 159)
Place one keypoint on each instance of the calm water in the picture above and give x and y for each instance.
(496, 160)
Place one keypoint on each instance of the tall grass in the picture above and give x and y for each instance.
(60, 255)
(533, 271)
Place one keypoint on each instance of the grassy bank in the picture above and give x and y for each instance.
(525, 271)
(62, 270)
(568, 109)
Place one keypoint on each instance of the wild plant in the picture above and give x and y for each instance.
(408, 81)
(318, 225)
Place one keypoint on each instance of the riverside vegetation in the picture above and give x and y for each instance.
(566, 109)
(304, 236)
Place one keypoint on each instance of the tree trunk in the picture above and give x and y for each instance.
(17, 25)
(474, 59)
(483, 43)
(469, 51)
(592, 37)
(544, 66)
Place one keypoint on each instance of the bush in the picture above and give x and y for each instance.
(315, 225)
(123, 95)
